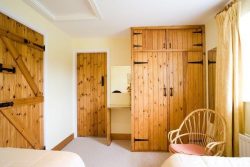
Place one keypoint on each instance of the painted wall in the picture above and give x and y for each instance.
(245, 42)
(211, 34)
(58, 71)
(119, 55)
(211, 42)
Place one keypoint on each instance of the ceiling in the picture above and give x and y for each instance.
(104, 18)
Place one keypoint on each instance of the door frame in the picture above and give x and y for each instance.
(75, 52)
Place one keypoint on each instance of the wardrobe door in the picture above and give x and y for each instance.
(194, 81)
(150, 122)
(154, 40)
(140, 107)
(176, 88)
(149, 40)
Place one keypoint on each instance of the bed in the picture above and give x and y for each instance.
(182, 160)
(14, 157)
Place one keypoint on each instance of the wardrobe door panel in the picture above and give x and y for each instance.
(176, 89)
(163, 98)
(150, 109)
(137, 41)
(140, 110)
(197, 39)
(154, 39)
(194, 82)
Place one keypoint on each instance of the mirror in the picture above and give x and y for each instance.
(211, 78)
(120, 79)
(120, 86)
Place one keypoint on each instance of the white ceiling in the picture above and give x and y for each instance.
(102, 18)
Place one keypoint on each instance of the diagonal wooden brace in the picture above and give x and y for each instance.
(18, 59)
(25, 132)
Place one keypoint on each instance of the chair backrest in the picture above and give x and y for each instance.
(203, 126)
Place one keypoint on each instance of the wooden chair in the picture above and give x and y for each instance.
(203, 132)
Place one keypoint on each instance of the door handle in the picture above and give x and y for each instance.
(171, 92)
(102, 80)
(164, 91)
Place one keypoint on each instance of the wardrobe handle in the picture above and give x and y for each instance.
(164, 91)
(164, 45)
(102, 80)
(171, 91)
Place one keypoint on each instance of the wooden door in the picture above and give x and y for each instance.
(150, 101)
(92, 93)
(194, 81)
(21, 85)
(176, 61)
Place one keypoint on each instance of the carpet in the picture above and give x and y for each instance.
(95, 153)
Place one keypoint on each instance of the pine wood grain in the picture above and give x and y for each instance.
(92, 104)
(21, 125)
(155, 110)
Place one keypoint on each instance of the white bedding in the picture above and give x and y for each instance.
(181, 160)
(13, 157)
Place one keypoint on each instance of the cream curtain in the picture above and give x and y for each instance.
(229, 76)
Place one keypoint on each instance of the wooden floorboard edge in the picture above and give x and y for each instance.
(120, 136)
(63, 143)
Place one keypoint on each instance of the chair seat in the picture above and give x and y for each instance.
(191, 149)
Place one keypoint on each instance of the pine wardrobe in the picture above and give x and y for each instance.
(167, 81)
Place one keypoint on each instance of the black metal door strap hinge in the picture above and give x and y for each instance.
(198, 44)
(11, 70)
(137, 33)
(196, 62)
(140, 62)
(211, 62)
(141, 140)
(197, 32)
(6, 104)
(37, 45)
(137, 46)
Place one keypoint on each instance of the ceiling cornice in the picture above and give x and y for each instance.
(72, 17)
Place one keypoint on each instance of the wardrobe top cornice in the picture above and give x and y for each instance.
(168, 27)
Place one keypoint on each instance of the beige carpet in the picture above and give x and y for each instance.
(95, 153)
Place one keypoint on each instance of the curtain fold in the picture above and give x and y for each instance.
(228, 93)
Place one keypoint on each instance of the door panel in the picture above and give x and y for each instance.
(91, 68)
(149, 40)
(194, 81)
(176, 89)
(21, 124)
(150, 112)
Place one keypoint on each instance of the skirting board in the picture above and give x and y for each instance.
(63, 143)
(120, 136)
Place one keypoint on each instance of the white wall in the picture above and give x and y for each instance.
(58, 120)
(211, 34)
(119, 55)
(245, 42)
(211, 42)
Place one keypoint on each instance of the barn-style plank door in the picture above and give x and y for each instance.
(167, 82)
(92, 93)
(21, 85)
